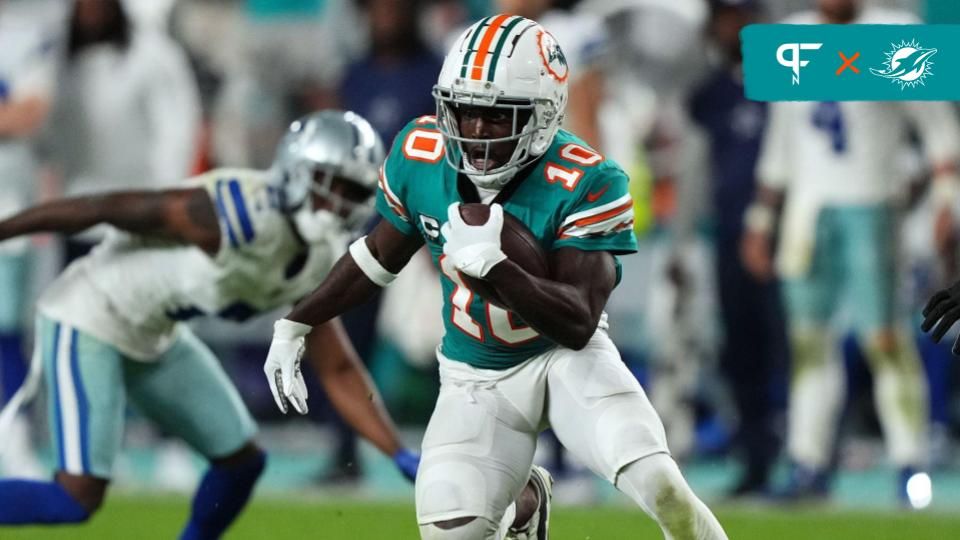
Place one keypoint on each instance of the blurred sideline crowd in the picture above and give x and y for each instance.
(139, 93)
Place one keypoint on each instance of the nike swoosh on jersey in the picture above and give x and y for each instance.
(592, 197)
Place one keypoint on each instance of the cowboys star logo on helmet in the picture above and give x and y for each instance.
(506, 62)
(907, 64)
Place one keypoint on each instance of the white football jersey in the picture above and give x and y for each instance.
(850, 152)
(132, 291)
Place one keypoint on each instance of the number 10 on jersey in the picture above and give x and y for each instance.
(499, 320)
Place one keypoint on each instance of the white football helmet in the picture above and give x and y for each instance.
(509, 62)
(317, 150)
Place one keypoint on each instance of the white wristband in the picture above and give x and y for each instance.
(758, 218)
(291, 330)
(369, 264)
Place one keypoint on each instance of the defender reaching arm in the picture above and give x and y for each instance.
(344, 380)
(192, 216)
(182, 215)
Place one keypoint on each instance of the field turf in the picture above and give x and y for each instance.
(127, 516)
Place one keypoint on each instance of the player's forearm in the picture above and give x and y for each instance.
(349, 387)
(559, 311)
(126, 210)
(346, 287)
(23, 118)
(368, 417)
(63, 216)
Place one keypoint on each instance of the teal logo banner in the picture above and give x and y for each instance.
(853, 62)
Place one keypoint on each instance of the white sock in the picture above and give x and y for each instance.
(816, 396)
(900, 395)
(655, 483)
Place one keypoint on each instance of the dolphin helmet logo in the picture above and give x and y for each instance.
(907, 64)
(552, 56)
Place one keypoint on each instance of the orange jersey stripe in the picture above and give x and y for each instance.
(564, 233)
(600, 217)
(392, 201)
(484, 49)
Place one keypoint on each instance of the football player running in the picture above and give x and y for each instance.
(496, 139)
(231, 243)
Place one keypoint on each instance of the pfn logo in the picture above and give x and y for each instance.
(794, 62)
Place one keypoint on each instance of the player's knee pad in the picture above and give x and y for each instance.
(476, 529)
(600, 412)
(450, 488)
(622, 434)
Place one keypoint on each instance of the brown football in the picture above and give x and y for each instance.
(518, 244)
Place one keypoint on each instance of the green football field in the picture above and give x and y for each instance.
(127, 517)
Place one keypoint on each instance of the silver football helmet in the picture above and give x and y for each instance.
(332, 154)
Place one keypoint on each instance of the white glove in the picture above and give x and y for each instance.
(473, 249)
(282, 367)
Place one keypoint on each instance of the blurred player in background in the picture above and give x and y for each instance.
(836, 166)
(127, 112)
(284, 58)
(925, 270)
(391, 82)
(755, 344)
(126, 116)
(496, 139)
(28, 57)
(231, 243)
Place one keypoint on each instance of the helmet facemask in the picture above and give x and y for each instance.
(325, 173)
(333, 201)
(530, 121)
(504, 62)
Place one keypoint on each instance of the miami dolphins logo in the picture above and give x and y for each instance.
(552, 56)
(907, 64)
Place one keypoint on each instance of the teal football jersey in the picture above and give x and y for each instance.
(571, 197)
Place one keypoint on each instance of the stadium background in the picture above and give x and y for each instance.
(257, 64)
